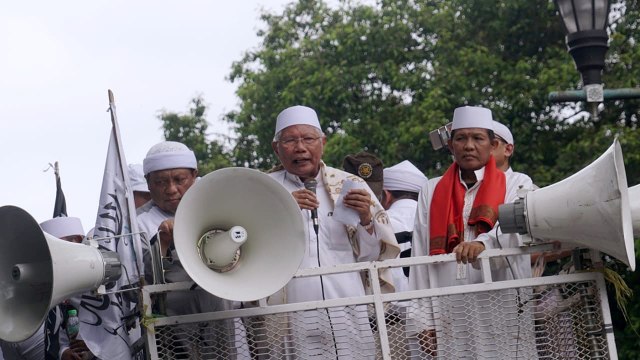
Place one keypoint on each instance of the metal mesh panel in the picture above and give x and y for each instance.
(545, 322)
(202, 340)
(553, 322)
(340, 332)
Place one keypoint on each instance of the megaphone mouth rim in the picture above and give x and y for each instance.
(37, 244)
(609, 203)
(260, 204)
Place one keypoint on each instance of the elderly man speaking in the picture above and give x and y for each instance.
(339, 332)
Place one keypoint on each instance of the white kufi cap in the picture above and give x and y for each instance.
(503, 131)
(403, 177)
(136, 178)
(472, 117)
(169, 155)
(297, 115)
(63, 226)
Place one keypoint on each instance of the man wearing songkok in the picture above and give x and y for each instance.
(368, 167)
(138, 184)
(401, 187)
(170, 169)
(57, 342)
(344, 331)
(457, 213)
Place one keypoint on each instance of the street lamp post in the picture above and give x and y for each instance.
(585, 23)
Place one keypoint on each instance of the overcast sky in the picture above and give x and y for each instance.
(57, 60)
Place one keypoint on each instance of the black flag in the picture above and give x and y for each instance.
(56, 316)
(60, 206)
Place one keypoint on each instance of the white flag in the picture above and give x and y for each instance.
(102, 317)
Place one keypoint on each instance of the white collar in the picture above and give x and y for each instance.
(479, 176)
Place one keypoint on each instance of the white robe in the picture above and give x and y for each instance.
(30, 349)
(340, 332)
(402, 214)
(452, 317)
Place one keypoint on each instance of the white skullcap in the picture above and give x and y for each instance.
(169, 155)
(63, 226)
(403, 177)
(136, 178)
(503, 131)
(472, 117)
(297, 115)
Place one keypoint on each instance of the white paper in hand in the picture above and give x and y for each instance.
(342, 213)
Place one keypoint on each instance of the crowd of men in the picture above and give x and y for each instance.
(400, 213)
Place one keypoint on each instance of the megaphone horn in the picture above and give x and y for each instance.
(38, 271)
(239, 234)
(590, 209)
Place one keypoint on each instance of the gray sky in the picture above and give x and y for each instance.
(57, 60)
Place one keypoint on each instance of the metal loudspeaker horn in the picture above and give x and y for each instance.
(38, 271)
(588, 209)
(239, 234)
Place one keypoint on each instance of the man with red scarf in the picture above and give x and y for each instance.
(457, 213)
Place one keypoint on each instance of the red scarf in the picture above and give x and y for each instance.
(445, 214)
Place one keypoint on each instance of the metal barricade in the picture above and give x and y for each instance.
(553, 317)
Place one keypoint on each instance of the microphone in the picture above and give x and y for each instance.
(311, 184)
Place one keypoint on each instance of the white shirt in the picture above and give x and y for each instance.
(445, 274)
(346, 333)
(332, 248)
(402, 215)
(487, 328)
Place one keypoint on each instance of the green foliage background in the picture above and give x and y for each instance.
(382, 76)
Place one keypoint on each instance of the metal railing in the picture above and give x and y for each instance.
(561, 316)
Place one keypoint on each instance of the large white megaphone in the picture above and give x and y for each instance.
(588, 209)
(239, 234)
(634, 202)
(38, 271)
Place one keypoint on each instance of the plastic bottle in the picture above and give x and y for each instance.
(73, 324)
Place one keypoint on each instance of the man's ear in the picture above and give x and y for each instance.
(494, 144)
(274, 146)
(386, 198)
(508, 150)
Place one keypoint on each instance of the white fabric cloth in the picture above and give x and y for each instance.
(517, 180)
(472, 117)
(63, 226)
(30, 349)
(344, 326)
(444, 274)
(297, 115)
(402, 215)
(403, 177)
(169, 155)
(194, 301)
(136, 178)
(503, 131)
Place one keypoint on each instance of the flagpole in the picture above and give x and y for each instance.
(130, 202)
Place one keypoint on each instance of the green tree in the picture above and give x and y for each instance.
(191, 130)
